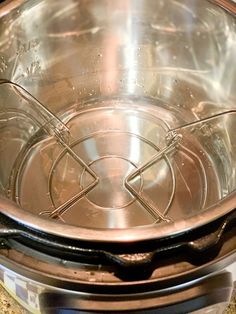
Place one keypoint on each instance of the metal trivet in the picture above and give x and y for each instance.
(56, 128)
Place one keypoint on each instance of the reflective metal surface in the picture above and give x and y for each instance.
(109, 126)
(95, 287)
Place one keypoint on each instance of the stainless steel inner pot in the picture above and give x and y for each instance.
(118, 154)
(117, 115)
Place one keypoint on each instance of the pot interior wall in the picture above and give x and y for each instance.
(124, 77)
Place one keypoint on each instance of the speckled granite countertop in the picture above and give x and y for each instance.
(8, 305)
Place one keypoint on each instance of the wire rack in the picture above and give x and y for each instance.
(56, 128)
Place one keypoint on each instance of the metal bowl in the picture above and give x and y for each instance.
(117, 118)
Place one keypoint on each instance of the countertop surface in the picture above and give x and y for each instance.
(8, 305)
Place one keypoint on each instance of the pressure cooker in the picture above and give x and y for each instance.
(118, 155)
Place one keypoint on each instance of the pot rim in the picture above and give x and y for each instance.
(9, 5)
(134, 235)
